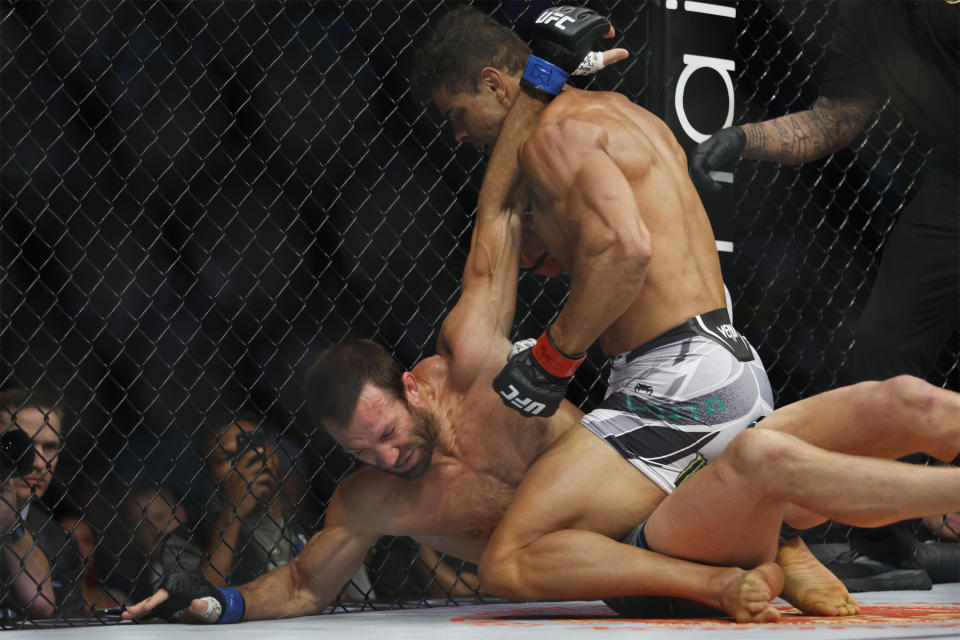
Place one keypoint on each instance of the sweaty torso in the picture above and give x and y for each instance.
(457, 503)
(683, 277)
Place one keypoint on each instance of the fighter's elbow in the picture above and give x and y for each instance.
(300, 589)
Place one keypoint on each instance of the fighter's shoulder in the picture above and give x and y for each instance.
(590, 107)
(557, 145)
(571, 114)
(574, 120)
(362, 500)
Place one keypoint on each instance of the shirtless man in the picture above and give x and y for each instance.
(612, 203)
(445, 457)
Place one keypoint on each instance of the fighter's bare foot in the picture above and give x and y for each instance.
(747, 594)
(810, 586)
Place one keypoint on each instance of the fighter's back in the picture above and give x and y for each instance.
(683, 277)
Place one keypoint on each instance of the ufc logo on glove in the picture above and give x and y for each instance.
(557, 18)
(526, 405)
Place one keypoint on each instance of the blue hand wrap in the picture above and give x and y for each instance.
(543, 76)
(235, 606)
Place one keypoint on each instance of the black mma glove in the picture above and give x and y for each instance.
(561, 39)
(227, 604)
(720, 149)
(536, 378)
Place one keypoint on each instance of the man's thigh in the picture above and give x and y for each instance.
(719, 515)
(581, 482)
(865, 419)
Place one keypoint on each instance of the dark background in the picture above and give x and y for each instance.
(198, 197)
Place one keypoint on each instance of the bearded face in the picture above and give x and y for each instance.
(387, 432)
(423, 437)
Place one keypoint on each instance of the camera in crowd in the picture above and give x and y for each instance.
(16, 454)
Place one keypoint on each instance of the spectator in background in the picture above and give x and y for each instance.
(907, 51)
(252, 533)
(160, 542)
(96, 595)
(39, 561)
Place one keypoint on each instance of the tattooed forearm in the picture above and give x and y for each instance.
(756, 139)
(807, 135)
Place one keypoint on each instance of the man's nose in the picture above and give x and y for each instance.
(459, 135)
(387, 456)
(39, 461)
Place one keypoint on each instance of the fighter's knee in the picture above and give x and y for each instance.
(918, 402)
(759, 453)
(890, 398)
(909, 392)
(911, 410)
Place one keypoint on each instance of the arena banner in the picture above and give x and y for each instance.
(696, 63)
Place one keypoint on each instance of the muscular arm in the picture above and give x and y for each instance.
(311, 581)
(503, 171)
(489, 289)
(830, 125)
(611, 246)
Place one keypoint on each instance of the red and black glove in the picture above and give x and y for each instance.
(561, 39)
(536, 378)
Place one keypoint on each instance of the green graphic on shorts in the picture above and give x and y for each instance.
(699, 411)
(698, 463)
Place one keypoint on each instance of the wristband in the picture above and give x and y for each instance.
(553, 360)
(543, 77)
(235, 608)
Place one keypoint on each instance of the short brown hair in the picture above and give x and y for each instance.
(338, 375)
(15, 399)
(462, 44)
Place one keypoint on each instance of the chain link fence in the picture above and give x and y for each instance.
(198, 197)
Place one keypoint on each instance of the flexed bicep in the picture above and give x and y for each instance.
(483, 316)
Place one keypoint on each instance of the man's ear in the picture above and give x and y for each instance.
(492, 80)
(411, 388)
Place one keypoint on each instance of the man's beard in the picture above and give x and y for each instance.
(425, 429)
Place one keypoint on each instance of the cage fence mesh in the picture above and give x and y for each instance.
(198, 197)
